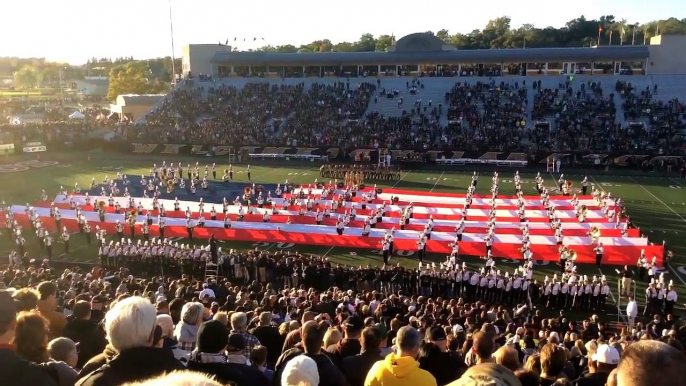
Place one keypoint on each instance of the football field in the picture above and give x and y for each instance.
(655, 202)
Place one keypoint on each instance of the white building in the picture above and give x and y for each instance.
(93, 85)
(197, 58)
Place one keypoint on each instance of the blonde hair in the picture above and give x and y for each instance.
(222, 317)
(331, 337)
(178, 378)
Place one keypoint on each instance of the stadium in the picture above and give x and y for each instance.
(548, 181)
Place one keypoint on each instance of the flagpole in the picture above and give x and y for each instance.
(600, 30)
(633, 36)
(171, 33)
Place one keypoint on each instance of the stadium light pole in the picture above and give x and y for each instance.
(171, 33)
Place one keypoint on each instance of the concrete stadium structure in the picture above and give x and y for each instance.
(425, 55)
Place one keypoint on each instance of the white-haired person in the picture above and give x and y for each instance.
(168, 341)
(130, 327)
(178, 378)
(239, 325)
(186, 331)
(300, 371)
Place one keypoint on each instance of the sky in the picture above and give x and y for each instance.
(75, 30)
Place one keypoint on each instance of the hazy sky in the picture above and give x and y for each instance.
(75, 30)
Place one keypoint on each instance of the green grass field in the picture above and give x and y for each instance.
(656, 203)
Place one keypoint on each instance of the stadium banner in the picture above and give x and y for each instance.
(442, 156)
(7, 148)
(34, 147)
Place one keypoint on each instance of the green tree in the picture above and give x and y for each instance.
(383, 42)
(26, 77)
(366, 43)
(130, 78)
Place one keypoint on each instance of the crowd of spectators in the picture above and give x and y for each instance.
(489, 114)
(67, 327)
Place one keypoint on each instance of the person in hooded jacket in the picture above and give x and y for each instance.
(434, 357)
(219, 354)
(312, 335)
(357, 366)
(400, 368)
(82, 330)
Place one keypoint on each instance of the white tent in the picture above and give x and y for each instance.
(77, 115)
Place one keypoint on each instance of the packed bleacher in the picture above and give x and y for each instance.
(475, 112)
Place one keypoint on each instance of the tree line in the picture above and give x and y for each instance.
(499, 33)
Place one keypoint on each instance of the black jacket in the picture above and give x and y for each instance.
(329, 374)
(343, 349)
(17, 371)
(357, 366)
(446, 367)
(90, 338)
(271, 339)
(134, 364)
(230, 373)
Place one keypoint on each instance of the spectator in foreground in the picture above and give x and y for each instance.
(553, 359)
(210, 357)
(186, 331)
(82, 330)
(258, 357)
(487, 374)
(130, 326)
(269, 337)
(508, 357)
(603, 361)
(47, 307)
(482, 349)
(178, 378)
(300, 371)
(357, 366)
(239, 325)
(401, 368)
(63, 350)
(434, 357)
(350, 344)
(168, 341)
(651, 363)
(15, 370)
(311, 346)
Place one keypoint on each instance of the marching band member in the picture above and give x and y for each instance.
(65, 239)
(421, 247)
(227, 222)
(87, 231)
(604, 293)
(189, 227)
(47, 241)
(584, 186)
(670, 299)
(265, 217)
(340, 226)
(161, 226)
(642, 265)
(201, 221)
(599, 254)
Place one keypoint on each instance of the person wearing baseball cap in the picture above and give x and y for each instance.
(603, 361)
(15, 370)
(350, 344)
(444, 365)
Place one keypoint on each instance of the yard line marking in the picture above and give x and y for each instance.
(401, 178)
(597, 184)
(676, 273)
(74, 250)
(663, 203)
(435, 183)
(613, 298)
(327, 252)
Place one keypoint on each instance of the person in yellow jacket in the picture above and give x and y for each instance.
(400, 368)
